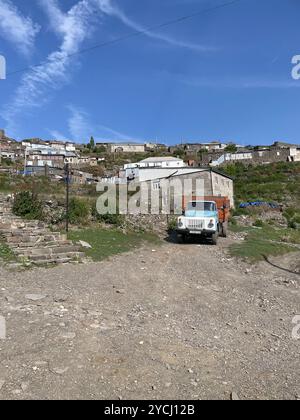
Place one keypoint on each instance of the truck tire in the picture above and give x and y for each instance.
(224, 230)
(215, 238)
(181, 238)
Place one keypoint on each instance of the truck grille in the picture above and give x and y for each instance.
(195, 224)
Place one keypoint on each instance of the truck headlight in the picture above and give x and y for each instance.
(211, 224)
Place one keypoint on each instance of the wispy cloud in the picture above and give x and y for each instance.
(239, 83)
(74, 27)
(57, 135)
(81, 128)
(111, 9)
(17, 28)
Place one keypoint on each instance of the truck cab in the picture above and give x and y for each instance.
(200, 218)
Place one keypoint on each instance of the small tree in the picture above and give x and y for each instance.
(27, 205)
(231, 148)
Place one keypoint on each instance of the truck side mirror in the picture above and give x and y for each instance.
(183, 212)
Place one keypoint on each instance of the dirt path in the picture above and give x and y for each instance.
(183, 322)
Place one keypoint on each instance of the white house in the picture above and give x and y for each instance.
(132, 170)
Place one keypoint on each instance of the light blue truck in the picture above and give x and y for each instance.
(208, 219)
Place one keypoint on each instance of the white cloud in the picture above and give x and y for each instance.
(74, 27)
(111, 9)
(81, 128)
(57, 135)
(16, 28)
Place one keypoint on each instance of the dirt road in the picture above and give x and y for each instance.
(177, 322)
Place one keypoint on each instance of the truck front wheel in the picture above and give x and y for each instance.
(224, 230)
(181, 238)
(214, 239)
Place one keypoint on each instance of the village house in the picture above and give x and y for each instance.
(132, 169)
(169, 185)
(152, 174)
(194, 148)
(126, 148)
(263, 156)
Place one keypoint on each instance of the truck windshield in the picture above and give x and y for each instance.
(202, 206)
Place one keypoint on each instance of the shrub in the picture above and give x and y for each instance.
(109, 219)
(78, 211)
(233, 221)
(258, 223)
(27, 205)
(172, 226)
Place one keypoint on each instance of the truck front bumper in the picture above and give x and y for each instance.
(203, 232)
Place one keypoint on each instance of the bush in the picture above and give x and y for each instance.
(109, 219)
(233, 222)
(27, 205)
(258, 223)
(172, 226)
(78, 211)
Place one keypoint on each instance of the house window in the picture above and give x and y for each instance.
(156, 185)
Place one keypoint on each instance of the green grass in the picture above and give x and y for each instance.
(6, 255)
(267, 241)
(108, 242)
(279, 182)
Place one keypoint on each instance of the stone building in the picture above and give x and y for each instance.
(256, 157)
(170, 186)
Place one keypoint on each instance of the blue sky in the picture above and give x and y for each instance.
(224, 75)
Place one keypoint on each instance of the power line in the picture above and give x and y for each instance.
(134, 34)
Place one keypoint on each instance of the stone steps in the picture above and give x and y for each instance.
(48, 250)
(33, 241)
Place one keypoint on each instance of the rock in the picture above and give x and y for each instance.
(35, 297)
(60, 298)
(120, 291)
(1, 384)
(234, 396)
(61, 371)
(68, 336)
(85, 245)
(24, 386)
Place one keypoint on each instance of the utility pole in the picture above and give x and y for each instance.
(25, 162)
(67, 178)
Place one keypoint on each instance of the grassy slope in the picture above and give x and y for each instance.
(279, 183)
(266, 241)
(6, 255)
(108, 242)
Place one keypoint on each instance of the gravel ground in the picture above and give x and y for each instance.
(177, 322)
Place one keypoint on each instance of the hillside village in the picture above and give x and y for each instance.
(112, 162)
